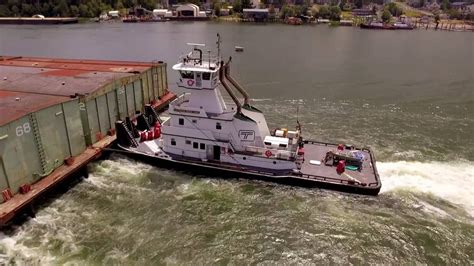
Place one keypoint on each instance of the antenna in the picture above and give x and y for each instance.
(219, 47)
(209, 63)
(298, 125)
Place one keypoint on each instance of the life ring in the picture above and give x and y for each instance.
(268, 153)
(190, 82)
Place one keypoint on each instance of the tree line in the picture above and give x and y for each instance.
(67, 8)
(93, 8)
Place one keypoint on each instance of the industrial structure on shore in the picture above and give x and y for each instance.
(57, 115)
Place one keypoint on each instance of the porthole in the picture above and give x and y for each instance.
(274, 162)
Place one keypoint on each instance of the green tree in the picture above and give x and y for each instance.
(217, 8)
(61, 9)
(314, 11)
(246, 4)
(74, 11)
(26, 10)
(455, 14)
(386, 16)
(271, 11)
(119, 5)
(470, 16)
(4, 11)
(237, 6)
(335, 13)
(148, 4)
(437, 19)
(287, 11)
(324, 12)
(445, 5)
(15, 10)
(394, 9)
(84, 11)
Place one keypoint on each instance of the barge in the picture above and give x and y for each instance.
(374, 25)
(57, 115)
(204, 134)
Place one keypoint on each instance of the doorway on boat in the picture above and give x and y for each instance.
(217, 152)
(198, 79)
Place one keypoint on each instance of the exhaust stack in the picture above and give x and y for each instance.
(227, 88)
(236, 84)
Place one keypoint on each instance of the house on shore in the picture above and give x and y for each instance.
(257, 14)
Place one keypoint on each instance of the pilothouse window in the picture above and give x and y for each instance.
(187, 74)
(206, 76)
(181, 121)
(218, 126)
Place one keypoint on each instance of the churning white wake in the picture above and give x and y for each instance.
(452, 181)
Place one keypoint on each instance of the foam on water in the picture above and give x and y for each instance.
(452, 181)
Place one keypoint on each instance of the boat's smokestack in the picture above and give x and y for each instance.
(227, 88)
(235, 83)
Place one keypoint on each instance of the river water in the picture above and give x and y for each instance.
(407, 94)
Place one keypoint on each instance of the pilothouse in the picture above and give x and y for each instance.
(204, 133)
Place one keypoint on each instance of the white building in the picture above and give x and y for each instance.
(189, 10)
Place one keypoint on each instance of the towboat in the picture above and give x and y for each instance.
(203, 134)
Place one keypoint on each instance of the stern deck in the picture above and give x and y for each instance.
(316, 151)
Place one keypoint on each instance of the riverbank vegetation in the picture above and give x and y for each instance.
(334, 12)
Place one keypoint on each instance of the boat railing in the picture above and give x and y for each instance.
(336, 180)
(206, 60)
(271, 153)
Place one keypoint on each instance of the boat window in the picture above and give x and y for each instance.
(195, 145)
(173, 142)
(218, 126)
(274, 162)
(268, 143)
(181, 121)
(188, 142)
(202, 146)
(206, 76)
(194, 121)
(282, 145)
(187, 74)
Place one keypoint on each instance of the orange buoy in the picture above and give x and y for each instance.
(301, 151)
(7, 195)
(156, 132)
(142, 136)
(149, 135)
(341, 167)
(25, 188)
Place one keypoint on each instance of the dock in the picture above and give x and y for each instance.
(59, 114)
